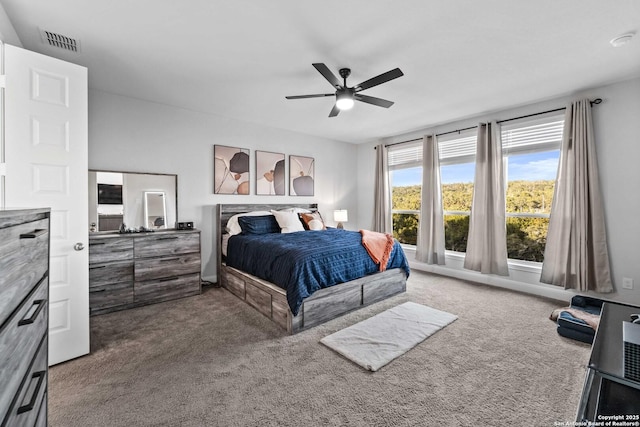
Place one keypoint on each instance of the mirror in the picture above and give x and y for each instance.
(155, 209)
(130, 198)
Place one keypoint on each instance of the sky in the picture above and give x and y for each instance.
(531, 166)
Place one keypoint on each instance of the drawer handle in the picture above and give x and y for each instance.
(98, 290)
(40, 303)
(169, 259)
(98, 266)
(34, 234)
(167, 238)
(166, 279)
(96, 243)
(32, 402)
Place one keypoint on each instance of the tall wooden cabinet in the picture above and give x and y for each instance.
(130, 270)
(24, 316)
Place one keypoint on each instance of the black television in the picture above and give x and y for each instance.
(109, 194)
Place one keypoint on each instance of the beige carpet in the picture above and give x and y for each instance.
(211, 360)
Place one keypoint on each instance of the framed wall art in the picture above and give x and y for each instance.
(270, 171)
(301, 176)
(231, 170)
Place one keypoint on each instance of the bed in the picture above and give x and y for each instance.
(316, 299)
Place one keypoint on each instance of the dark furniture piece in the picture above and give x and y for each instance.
(24, 316)
(134, 269)
(606, 391)
(324, 305)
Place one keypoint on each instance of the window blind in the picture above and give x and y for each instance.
(405, 155)
(542, 133)
(457, 148)
(533, 135)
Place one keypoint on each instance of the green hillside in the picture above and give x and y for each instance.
(526, 237)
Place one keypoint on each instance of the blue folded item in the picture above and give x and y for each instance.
(572, 327)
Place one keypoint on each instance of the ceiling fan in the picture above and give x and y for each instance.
(345, 96)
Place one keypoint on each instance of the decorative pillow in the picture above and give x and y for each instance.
(233, 227)
(288, 221)
(312, 221)
(263, 224)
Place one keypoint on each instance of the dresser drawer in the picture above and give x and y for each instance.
(110, 249)
(31, 396)
(166, 289)
(165, 244)
(24, 259)
(19, 340)
(107, 273)
(42, 414)
(110, 295)
(157, 268)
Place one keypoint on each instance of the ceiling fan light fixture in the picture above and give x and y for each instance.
(344, 100)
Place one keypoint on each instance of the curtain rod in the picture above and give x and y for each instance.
(595, 101)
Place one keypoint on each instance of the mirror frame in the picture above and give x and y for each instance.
(164, 209)
(175, 176)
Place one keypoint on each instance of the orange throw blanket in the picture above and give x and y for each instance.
(378, 246)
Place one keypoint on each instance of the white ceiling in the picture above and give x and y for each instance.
(239, 58)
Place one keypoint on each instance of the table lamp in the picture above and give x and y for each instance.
(340, 216)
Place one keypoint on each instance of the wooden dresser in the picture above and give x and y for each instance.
(130, 270)
(24, 316)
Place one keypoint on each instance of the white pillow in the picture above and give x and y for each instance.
(288, 221)
(316, 224)
(295, 210)
(233, 227)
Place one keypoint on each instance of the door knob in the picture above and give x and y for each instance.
(78, 246)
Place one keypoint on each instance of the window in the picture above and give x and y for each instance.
(405, 176)
(457, 169)
(531, 151)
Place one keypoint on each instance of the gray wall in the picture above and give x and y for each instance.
(617, 129)
(132, 135)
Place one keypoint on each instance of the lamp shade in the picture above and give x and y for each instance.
(340, 215)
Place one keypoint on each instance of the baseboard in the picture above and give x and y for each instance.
(540, 289)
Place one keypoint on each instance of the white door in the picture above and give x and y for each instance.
(46, 166)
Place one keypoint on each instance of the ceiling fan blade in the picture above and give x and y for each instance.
(326, 72)
(373, 100)
(319, 95)
(334, 111)
(377, 80)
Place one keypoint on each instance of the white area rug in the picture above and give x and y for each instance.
(378, 340)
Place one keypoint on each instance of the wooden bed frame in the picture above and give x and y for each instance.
(324, 305)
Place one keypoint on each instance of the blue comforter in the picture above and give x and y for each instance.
(305, 261)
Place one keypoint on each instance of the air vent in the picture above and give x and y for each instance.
(60, 41)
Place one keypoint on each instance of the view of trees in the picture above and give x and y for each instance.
(526, 236)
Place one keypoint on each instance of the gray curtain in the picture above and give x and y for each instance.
(382, 197)
(430, 247)
(576, 254)
(487, 241)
